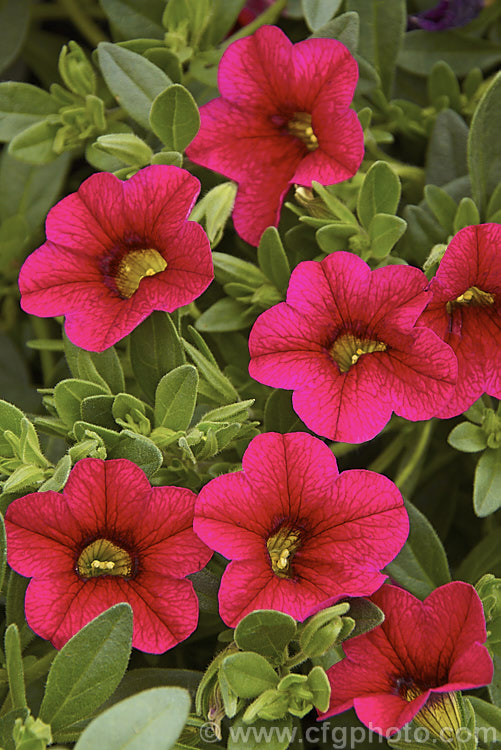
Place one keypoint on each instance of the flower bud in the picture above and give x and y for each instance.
(76, 71)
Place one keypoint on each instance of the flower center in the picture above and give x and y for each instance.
(282, 547)
(135, 266)
(300, 127)
(473, 297)
(440, 714)
(347, 350)
(104, 558)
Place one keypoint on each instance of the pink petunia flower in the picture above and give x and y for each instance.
(283, 117)
(108, 538)
(345, 341)
(298, 532)
(465, 311)
(116, 251)
(411, 665)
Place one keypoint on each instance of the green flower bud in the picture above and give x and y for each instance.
(76, 70)
(33, 734)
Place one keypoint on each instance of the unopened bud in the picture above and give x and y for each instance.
(76, 70)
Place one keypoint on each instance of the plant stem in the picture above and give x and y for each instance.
(417, 454)
(47, 360)
(86, 26)
(388, 455)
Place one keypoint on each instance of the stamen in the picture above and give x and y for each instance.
(135, 266)
(300, 127)
(473, 297)
(103, 557)
(282, 547)
(347, 350)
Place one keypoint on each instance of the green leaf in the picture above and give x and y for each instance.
(3, 552)
(228, 269)
(317, 12)
(279, 415)
(127, 147)
(487, 483)
(224, 14)
(278, 733)
(266, 632)
(21, 105)
(421, 566)
(136, 18)
(422, 50)
(442, 82)
(168, 157)
(14, 20)
(152, 719)
(35, 144)
(176, 397)
(484, 558)
(219, 384)
(468, 438)
(318, 682)
(7, 723)
(155, 348)
(484, 148)
(379, 194)
(98, 411)
(384, 232)
(442, 205)
(382, 27)
(345, 28)
(175, 118)
(487, 717)
(366, 614)
(273, 260)
(140, 449)
(467, 215)
(68, 396)
(59, 477)
(214, 210)
(446, 155)
(88, 669)
(227, 314)
(133, 80)
(14, 665)
(29, 190)
(248, 674)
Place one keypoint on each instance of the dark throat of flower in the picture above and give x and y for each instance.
(440, 715)
(473, 297)
(104, 558)
(300, 127)
(282, 546)
(133, 267)
(348, 348)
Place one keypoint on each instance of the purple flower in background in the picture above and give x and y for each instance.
(447, 14)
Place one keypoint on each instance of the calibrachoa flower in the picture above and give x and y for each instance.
(465, 311)
(283, 117)
(108, 538)
(298, 532)
(411, 665)
(447, 14)
(116, 251)
(345, 341)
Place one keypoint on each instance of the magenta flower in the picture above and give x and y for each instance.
(465, 311)
(411, 664)
(346, 343)
(108, 538)
(298, 532)
(116, 251)
(283, 117)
